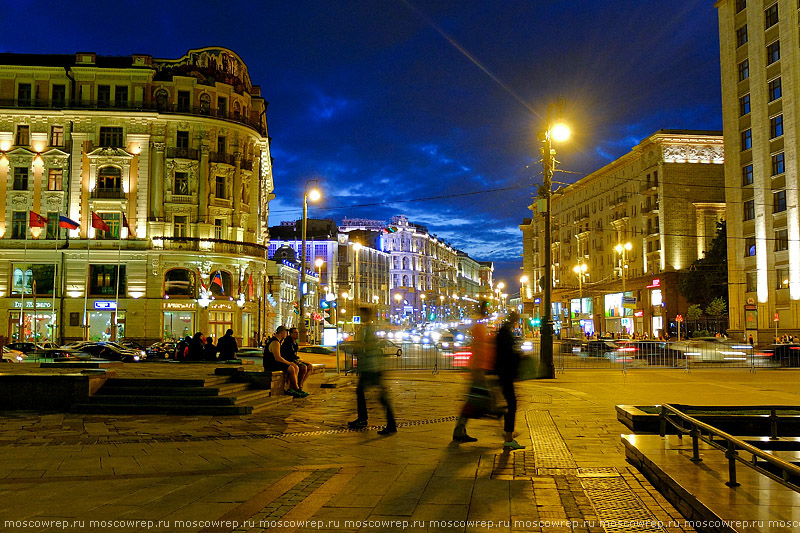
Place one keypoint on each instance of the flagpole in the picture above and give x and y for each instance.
(55, 277)
(119, 260)
(86, 287)
(21, 336)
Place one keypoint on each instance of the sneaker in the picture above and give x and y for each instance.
(465, 438)
(294, 393)
(513, 445)
(388, 430)
(357, 424)
(303, 393)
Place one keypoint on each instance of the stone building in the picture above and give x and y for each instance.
(170, 158)
(660, 203)
(760, 67)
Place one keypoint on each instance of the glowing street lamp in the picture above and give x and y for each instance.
(314, 195)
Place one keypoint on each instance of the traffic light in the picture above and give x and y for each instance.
(296, 308)
(324, 304)
(536, 322)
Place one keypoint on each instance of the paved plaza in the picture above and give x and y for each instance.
(297, 468)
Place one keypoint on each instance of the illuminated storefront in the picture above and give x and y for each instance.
(619, 319)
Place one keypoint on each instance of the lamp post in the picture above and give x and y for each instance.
(622, 250)
(553, 132)
(319, 324)
(315, 195)
(580, 269)
(356, 295)
(441, 308)
(424, 312)
(500, 286)
(397, 298)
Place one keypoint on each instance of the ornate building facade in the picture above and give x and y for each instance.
(164, 165)
(658, 205)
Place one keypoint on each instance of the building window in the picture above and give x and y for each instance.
(19, 224)
(28, 276)
(778, 201)
(751, 281)
(741, 36)
(182, 140)
(24, 95)
(180, 226)
(54, 179)
(781, 239)
(744, 105)
(110, 137)
(740, 5)
(121, 96)
(162, 97)
(744, 70)
(218, 228)
(747, 175)
(103, 280)
(109, 183)
(23, 136)
(57, 136)
(20, 178)
(104, 96)
(59, 95)
(221, 144)
(749, 246)
(184, 100)
(222, 107)
(219, 189)
(774, 88)
(747, 139)
(179, 282)
(181, 183)
(778, 164)
(223, 277)
(773, 52)
(113, 221)
(205, 104)
(776, 126)
(52, 225)
(781, 278)
(771, 16)
(749, 210)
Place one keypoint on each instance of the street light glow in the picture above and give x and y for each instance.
(314, 195)
(559, 132)
(319, 263)
(523, 279)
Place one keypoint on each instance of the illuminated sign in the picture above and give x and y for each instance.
(638, 313)
(29, 304)
(656, 283)
(105, 305)
(178, 306)
(221, 305)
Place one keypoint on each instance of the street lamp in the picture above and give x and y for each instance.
(318, 263)
(424, 311)
(580, 269)
(314, 195)
(558, 132)
(622, 250)
(397, 298)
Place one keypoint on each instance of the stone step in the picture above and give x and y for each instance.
(156, 382)
(164, 409)
(232, 388)
(269, 403)
(216, 380)
(157, 400)
(110, 390)
(249, 396)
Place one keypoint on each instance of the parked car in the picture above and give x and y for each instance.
(315, 349)
(127, 343)
(161, 350)
(58, 354)
(111, 352)
(12, 356)
(23, 347)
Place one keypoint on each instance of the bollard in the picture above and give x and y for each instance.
(662, 422)
(695, 434)
(731, 456)
(773, 424)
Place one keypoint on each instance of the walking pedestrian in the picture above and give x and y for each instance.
(227, 347)
(209, 350)
(370, 374)
(482, 359)
(507, 368)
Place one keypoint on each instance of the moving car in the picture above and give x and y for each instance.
(12, 356)
(111, 352)
(315, 349)
(390, 348)
(713, 350)
(654, 352)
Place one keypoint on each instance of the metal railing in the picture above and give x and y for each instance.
(133, 107)
(222, 157)
(110, 194)
(183, 153)
(787, 475)
(223, 246)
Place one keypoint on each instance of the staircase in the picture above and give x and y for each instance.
(214, 395)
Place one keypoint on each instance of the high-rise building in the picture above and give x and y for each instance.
(760, 66)
(621, 235)
(163, 166)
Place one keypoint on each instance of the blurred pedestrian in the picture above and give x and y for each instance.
(481, 360)
(227, 347)
(182, 348)
(370, 374)
(196, 344)
(507, 368)
(209, 350)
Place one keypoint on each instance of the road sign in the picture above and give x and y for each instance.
(629, 302)
(777, 318)
(307, 322)
(679, 318)
(356, 320)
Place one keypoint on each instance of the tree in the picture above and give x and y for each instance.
(717, 307)
(694, 312)
(707, 278)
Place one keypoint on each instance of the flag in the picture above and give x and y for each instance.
(200, 277)
(125, 224)
(217, 280)
(250, 286)
(99, 223)
(37, 220)
(68, 223)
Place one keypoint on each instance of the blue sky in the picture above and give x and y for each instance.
(392, 102)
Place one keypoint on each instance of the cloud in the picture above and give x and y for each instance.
(327, 107)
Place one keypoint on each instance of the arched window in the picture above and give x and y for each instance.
(237, 110)
(405, 264)
(179, 282)
(205, 104)
(161, 99)
(405, 281)
(221, 283)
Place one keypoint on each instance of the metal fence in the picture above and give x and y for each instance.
(413, 356)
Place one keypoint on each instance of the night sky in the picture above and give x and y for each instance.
(426, 108)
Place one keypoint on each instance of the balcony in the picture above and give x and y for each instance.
(218, 246)
(108, 194)
(183, 153)
(182, 199)
(105, 105)
(246, 164)
(221, 157)
(650, 208)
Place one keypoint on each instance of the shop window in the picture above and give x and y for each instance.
(221, 283)
(103, 280)
(179, 282)
(219, 323)
(30, 276)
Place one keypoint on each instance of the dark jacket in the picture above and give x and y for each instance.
(289, 349)
(227, 348)
(195, 350)
(507, 360)
(209, 352)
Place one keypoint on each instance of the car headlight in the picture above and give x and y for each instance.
(19, 358)
(136, 358)
(445, 345)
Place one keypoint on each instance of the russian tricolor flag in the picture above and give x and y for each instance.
(68, 223)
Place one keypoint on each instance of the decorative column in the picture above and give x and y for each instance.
(157, 182)
(202, 183)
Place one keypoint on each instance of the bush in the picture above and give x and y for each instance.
(702, 333)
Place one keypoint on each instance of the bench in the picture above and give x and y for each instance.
(274, 381)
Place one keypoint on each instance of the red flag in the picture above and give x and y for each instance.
(99, 223)
(217, 280)
(37, 220)
(250, 286)
(200, 277)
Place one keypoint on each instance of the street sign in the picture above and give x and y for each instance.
(629, 302)
(777, 318)
(307, 322)
(679, 318)
(356, 320)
